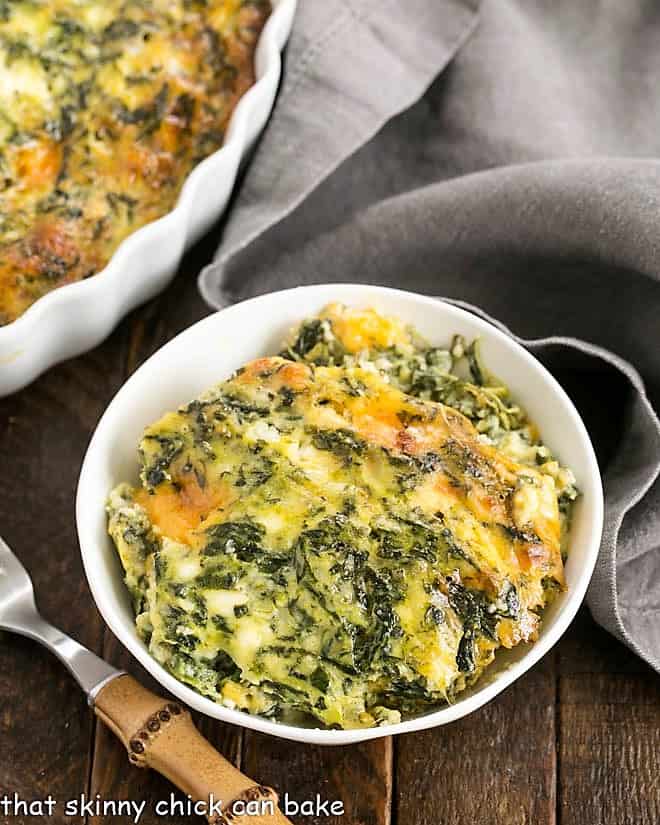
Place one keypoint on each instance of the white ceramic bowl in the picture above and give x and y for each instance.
(77, 317)
(209, 351)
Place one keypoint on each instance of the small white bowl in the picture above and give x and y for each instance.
(76, 317)
(209, 351)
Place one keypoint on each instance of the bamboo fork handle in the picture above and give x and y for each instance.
(160, 734)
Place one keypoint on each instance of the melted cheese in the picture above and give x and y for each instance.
(311, 539)
(105, 107)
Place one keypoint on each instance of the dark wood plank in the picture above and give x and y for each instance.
(174, 310)
(587, 648)
(495, 766)
(360, 777)
(45, 725)
(609, 732)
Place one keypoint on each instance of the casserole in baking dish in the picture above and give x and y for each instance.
(103, 146)
(105, 107)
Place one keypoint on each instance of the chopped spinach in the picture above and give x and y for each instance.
(320, 680)
(343, 443)
(239, 538)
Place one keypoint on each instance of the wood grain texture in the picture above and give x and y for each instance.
(359, 776)
(609, 732)
(496, 766)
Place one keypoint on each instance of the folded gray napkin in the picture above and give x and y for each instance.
(496, 153)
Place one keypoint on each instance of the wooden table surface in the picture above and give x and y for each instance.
(576, 741)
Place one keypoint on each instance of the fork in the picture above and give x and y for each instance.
(157, 733)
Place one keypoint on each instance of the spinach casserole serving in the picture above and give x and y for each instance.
(344, 533)
(105, 108)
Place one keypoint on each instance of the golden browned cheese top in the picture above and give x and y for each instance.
(311, 538)
(105, 107)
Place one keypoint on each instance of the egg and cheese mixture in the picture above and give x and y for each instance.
(344, 533)
(105, 107)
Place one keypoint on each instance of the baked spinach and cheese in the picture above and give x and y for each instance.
(105, 107)
(346, 532)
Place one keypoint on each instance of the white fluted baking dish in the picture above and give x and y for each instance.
(76, 317)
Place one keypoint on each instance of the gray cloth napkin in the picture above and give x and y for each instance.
(500, 154)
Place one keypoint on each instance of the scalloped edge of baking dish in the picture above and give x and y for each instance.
(76, 317)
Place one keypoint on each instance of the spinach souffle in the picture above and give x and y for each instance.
(344, 533)
(105, 108)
